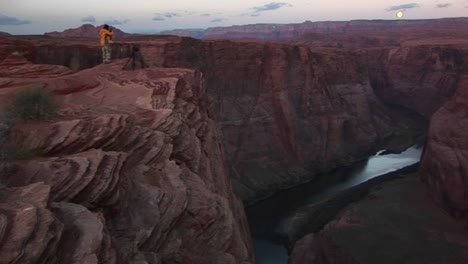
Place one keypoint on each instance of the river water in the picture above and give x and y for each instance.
(269, 217)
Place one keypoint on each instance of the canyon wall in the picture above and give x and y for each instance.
(317, 108)
(288, 113)
(131, 169)
(132, 147)
(401, 212)
(419, 75)
(430, 78)
(444, 166)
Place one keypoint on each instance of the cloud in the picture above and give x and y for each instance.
(270, 6)
(116, 22)
(402, 7)
(158, 18)
(217, 20)
(164, 16)
(445, 5)
(12, 21)
(171, 14)
(90, 19)
(205, 15)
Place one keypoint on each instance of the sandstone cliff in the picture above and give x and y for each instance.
(287, 113)
(399, 219)
(131, 170)
(444, 167)
(420, 74)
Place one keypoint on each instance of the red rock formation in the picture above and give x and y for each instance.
(444, 168)
(30, 233)
(287, 112)
(84, 238)
(419, 75)
(4, 34)
(131, 170)
(85, 31)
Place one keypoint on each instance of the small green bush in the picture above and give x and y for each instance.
(11, 152)
(32, 104)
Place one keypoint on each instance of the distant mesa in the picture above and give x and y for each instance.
(3, 34)
(85, 31)
(286, 31)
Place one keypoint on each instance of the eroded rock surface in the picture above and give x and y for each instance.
(130, 170)
(419, 75)
(444, 167)
(289, 113)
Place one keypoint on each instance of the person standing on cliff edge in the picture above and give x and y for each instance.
(106, 41)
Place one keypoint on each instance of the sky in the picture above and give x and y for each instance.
(152, 16)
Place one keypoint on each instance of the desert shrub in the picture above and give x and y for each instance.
(11, 151)
(29, 104)
(32, 104)
(5, 126)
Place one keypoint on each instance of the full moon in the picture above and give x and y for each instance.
(399, 14)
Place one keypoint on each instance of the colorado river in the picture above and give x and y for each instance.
(267, 218)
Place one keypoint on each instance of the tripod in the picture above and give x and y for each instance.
(134, 58)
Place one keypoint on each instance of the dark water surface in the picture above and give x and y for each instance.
(270, 217)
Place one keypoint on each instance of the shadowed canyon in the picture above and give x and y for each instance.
(155, 164)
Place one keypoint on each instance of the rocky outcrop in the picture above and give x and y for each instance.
(395, 223)
(35, 231)
(444, 167)
(30, 233)
(131, 170)
(85, 31)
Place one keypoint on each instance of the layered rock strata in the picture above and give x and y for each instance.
(399, 222)
(289, 113)
(131, 170)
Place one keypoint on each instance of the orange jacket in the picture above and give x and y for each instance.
(106, 36)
